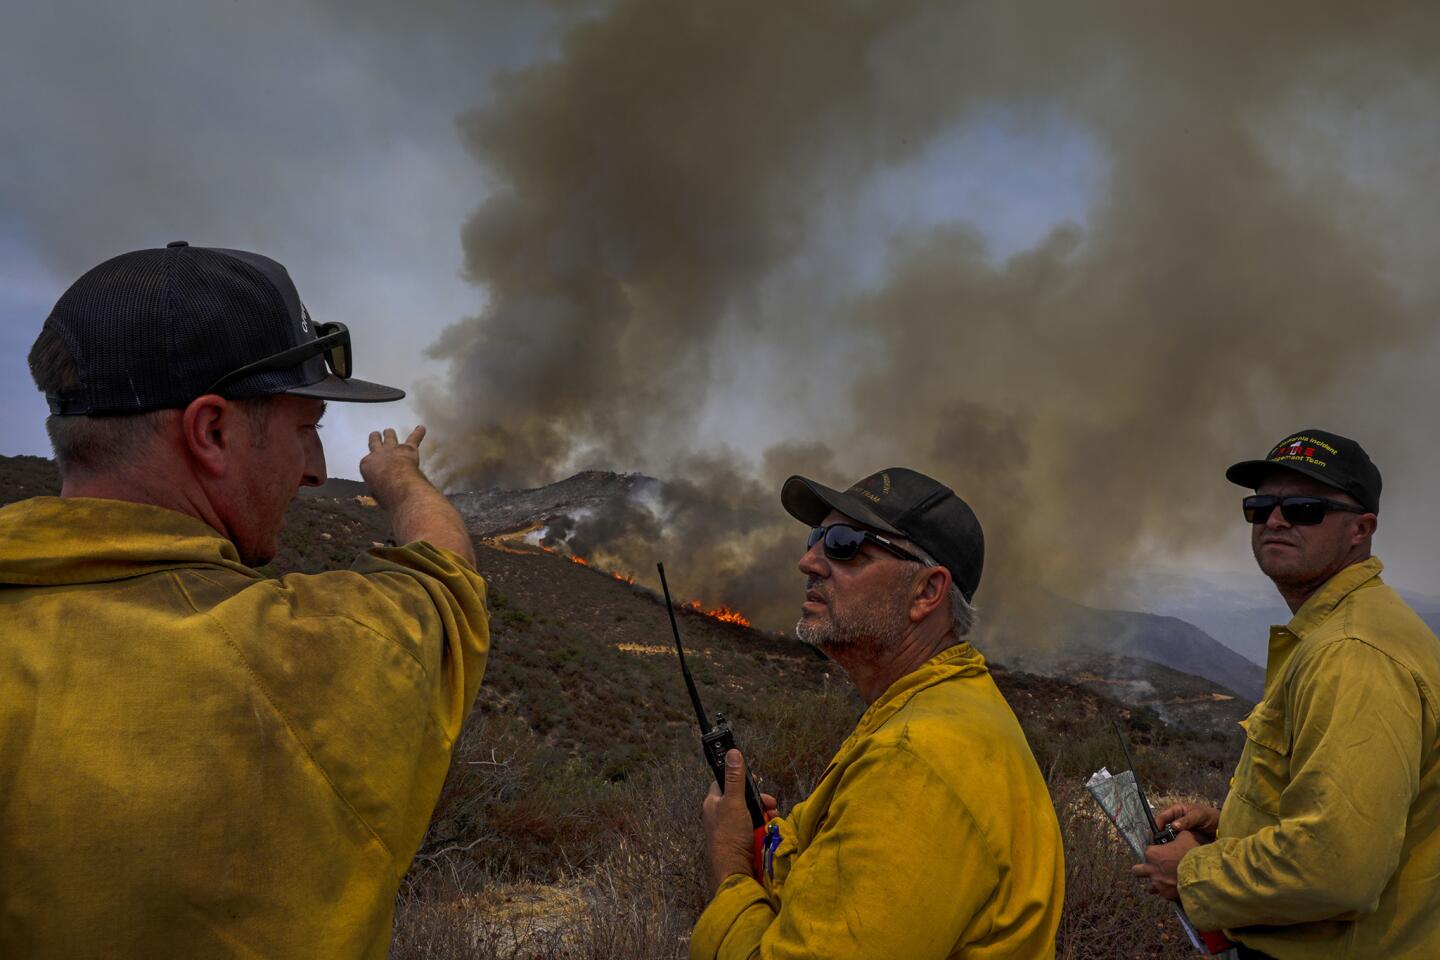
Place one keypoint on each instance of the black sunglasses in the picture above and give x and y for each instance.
(843, 542)
(1300, 511)
(332, 340)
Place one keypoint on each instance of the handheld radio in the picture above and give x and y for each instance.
(1215, 941)
(716, 738)
(1158, 836)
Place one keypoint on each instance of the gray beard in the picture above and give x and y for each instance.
(879, 626)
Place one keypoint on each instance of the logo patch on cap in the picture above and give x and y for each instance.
(304, 318)
(1302, 449)
(866, 487)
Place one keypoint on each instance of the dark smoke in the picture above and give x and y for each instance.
(657, 181)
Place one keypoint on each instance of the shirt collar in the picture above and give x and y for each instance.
(961, 660)
(1315, 611)
(1323, 602)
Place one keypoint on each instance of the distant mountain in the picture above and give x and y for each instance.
(1039, 627)
(1237, 609)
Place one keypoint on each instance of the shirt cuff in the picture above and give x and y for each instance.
(1190, 876)
(741, 908)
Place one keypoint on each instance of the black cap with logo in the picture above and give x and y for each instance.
(1321, 455)
(902, 503)
(154, 329)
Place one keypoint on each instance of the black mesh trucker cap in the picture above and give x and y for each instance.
(154, 329)
(1328, 457)
(903, 503)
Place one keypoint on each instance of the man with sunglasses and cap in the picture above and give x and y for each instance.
(931, 834)
(1328, 844)
(196, 760)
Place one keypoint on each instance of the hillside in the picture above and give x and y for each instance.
(568, 826)
(498, 511)
(1166, 663)
(1036, 626)
(24, 476)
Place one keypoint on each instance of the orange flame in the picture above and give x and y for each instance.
(725, 615)
(721, 613)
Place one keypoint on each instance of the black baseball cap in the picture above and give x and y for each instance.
(902, 503)
(154, 329)
(1328, 457)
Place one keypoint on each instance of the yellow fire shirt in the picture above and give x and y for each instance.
(1328, 843)
(930, 835)
(197, 761)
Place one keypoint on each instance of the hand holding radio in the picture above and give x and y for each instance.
(1162, 862)
(728, 831)
(1198, 818)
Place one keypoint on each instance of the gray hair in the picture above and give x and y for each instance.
(90, 445)
(101, 444)
(86, 444)
(93, 445)
(963, 613)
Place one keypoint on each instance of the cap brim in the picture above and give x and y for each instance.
(1251, 473)
(811, 502)
(352, 391)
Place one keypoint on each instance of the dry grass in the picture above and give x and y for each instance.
(529, 861)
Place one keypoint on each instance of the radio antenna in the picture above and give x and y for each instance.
(1144, 801)
(689, 680)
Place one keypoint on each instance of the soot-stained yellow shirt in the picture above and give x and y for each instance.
(198, 761)
(1329, 840)
(930, 835)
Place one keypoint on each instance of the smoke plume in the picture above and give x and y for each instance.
(668, 187)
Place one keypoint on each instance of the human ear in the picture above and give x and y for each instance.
(1365, 527)
(210, 432)
(932, 590)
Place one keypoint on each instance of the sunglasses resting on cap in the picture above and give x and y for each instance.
(332, 340)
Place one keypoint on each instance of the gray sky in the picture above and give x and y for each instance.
(321, 135)
(328, 136)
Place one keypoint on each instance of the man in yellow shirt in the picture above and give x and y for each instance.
(196, 760)
(931, 834)
(1328, 844)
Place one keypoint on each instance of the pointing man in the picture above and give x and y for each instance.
(196, 760)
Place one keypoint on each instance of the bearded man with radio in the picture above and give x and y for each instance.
(931, 834)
